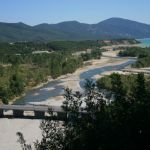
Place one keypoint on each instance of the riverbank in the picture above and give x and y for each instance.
(62, 78)
(119, 46)
(30, 128)
(73, 80)
(68, 80)
(29, 88)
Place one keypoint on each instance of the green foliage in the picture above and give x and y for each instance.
(122, 124)
(104, 83)
(4, 94)
(1, 70)
(86, 56)
(29, 47)
(89, 85)
(34, 69)
(117, 86)
(143, 55)
(73, 45)
(70, 65)
(124, 85)
(56, 68)
(94, 54)
(20, 68)
(142, 62)
(16, 84)
(135, 52)
(73, 30)
(140, 87)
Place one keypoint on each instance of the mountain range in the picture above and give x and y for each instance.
(73, 30)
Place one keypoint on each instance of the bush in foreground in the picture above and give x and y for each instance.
(123, 124)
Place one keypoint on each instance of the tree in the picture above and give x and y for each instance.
(1, 70)
(96, 53)
(56, 68)
(89, 85)
(4, 94)
(140, 87)
(22, 142)
(16, 84)
(93, 124)
(117, 86)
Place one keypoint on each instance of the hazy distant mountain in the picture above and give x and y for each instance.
(73, 30)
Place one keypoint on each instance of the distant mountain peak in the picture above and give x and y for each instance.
(115, 19)
(21, 23)
(73, 30)
(69, 22)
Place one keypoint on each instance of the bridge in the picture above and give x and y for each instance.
(37, 111)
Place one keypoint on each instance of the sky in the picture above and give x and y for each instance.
(34, 12)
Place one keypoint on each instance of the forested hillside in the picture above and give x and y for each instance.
(72, 30)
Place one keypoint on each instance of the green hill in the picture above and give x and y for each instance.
(73, 30)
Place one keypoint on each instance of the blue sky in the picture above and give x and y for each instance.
(88, 11)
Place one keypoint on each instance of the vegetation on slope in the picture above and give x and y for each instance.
(72, 30)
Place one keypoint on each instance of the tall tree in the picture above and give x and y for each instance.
(140, 87)
(117, 86)
(16, 84)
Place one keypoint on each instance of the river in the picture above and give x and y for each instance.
(54, 88)
(144, 42)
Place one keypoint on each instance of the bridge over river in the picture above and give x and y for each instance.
(31, 111)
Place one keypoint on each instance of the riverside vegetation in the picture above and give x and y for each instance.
(102, 124)
(20, 68)
(143, 55)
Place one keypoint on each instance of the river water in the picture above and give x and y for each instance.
(54, 88)
(144, 42)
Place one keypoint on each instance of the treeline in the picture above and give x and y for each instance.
(143, 55)
(29, 47)
(100, 124)
(128, 87)
(28, 70)
(74, 45)
(94, 54)
(135, 52)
